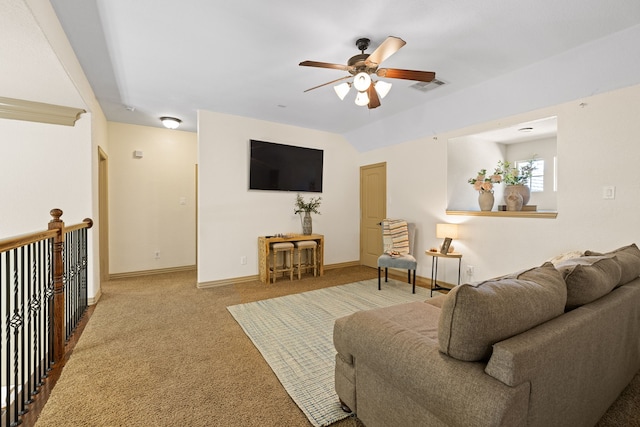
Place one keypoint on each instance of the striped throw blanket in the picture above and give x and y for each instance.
(395, 236)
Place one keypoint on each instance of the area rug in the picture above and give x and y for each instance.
(294, 334)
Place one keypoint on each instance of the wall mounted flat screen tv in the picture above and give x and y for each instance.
(283, 167)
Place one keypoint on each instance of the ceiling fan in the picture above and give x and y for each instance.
(361, 66)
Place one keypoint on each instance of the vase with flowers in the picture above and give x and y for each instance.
(483, 183)
(306, 208)
(516, 180)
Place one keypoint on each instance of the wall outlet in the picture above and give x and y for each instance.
(156, 254)
(470, 270)
(243, 260)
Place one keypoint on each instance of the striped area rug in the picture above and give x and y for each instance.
(294, 334)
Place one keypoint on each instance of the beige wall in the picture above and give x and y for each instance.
(231, 217)
(597, 146)
(151, 199)
(38, 64)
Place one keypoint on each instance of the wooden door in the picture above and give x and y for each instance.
(373, 209)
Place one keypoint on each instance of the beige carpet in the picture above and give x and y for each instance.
(160, 352)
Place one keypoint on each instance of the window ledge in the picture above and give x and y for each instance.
(508, 214)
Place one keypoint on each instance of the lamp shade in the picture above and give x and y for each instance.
(362, 99)
(342, 89)
(382, 88)
(170, 122)
(446, 230)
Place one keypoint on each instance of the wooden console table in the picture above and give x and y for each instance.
(263, 251)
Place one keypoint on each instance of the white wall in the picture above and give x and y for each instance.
(467, 156)
(544, 149)
(151, 199)
(231, 217)
(38, 64)
(597, 146)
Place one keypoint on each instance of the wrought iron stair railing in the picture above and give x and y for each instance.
(43, 296)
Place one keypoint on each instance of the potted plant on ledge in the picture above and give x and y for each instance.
(516, 180)
(307, 207)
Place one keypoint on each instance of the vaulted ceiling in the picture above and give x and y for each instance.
(151, 58)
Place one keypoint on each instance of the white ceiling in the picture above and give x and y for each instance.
(160, 57)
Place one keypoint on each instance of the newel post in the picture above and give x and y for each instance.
(58, 285)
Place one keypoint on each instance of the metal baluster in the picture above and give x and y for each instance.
(22, 300)
(50, 304)
(26, 340)
(42, 312)
(4, 374)
(85, 302)
(14, 322)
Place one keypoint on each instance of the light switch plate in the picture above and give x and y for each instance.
(609, 192)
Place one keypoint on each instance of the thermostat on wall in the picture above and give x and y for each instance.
(137, 154)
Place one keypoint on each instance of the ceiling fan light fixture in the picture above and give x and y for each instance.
(361, 81)
(342, 89)
(362, 99)
(170, 122)
(382, 88)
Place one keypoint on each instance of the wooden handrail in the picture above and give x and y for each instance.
(28, 238)
(25, 239)
(86, 223)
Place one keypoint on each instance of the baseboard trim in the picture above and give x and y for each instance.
(225, 282)
(94, 300)
(342, 265)
(152, 272)
(245, 279)
(396, 274)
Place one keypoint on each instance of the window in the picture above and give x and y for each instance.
(536, 182)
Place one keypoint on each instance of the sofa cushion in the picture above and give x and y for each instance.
(589, 278)
(476, 316)
(629, 259)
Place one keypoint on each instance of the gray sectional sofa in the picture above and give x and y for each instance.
(550, 346)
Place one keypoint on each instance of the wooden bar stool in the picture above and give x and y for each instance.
(310, 249)
(287, 252)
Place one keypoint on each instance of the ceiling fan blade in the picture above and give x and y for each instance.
(328, 83)
(388, 47)
(395, 73)
(324, 65)
(374, 100)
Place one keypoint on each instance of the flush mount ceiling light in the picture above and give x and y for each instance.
(170, 122)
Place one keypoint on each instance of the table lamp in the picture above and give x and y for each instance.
(448, 232)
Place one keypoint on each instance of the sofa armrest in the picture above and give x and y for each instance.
(578, 363)
(456, 392)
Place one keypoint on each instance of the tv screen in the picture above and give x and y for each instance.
(285, 167)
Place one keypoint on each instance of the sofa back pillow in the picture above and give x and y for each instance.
(589, 278)
(629, 259)
(476, 316)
